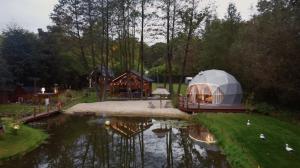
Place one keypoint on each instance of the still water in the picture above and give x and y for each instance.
(127, 142)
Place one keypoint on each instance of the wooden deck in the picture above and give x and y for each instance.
(39, 116)
(186, 106)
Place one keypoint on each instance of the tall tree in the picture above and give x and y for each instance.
(68, 14)
(142, 47)
(191, 18)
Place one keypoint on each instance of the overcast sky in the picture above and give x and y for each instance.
(33, 14)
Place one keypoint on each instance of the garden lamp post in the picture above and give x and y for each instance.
(43, 90)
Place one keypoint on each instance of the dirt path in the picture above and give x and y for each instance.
(138, 108)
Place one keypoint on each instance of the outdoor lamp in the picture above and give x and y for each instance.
(55, 90)
(16, 126)
(43, 90)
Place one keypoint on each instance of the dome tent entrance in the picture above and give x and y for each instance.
(214, 87)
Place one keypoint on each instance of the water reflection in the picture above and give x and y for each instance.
(201, 134)
(127, 142)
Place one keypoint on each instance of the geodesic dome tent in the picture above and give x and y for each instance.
(214, 87)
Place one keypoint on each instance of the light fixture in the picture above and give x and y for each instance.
(43, 90)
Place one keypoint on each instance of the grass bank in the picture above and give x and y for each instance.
(69, 97)
(242, 145)
(16, 109)
(26, 139)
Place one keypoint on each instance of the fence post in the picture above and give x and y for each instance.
(187, 103)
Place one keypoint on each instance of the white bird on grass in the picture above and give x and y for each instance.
(262, 136)
(248, 123)
(287, 148)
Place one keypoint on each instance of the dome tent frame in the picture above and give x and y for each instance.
(214, 87)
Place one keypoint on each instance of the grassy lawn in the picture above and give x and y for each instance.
(244, 148)
(80, 96)
(175, 87)
(25, 140)
(69, 98)
(16, 109)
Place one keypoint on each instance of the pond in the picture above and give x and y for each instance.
(127, 142)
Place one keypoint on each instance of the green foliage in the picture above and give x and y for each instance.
(243, 147)
(175, 102)
(261, 53)
(264, 108)
(249, 103)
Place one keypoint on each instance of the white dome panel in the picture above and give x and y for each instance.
(219, 82)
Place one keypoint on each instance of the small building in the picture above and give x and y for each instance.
(188, 80)
(6, 95)
(24, 93)
(129, 85)
(98, 77)
(214, 87)
(99, 74)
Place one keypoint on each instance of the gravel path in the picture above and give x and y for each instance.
(137, 108)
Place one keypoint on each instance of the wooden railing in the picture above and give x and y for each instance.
(185, 105)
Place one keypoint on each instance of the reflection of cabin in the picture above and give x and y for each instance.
(161, 132)
(129, 85)
(129, 128)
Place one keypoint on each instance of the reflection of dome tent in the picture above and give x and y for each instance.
(214, 87)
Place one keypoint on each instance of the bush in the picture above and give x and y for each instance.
(249, 105)
(175, 101)
(264, 108)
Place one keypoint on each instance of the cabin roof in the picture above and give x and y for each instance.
(101, 71)
(135, 73)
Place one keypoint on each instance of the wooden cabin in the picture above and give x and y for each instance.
(129, 85)
(24, 93)
(99, 76)
(6, 95)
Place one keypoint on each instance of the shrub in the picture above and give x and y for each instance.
(264, 108)
(175, 101)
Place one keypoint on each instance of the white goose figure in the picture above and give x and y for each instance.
(262, 136)
(287, 148)
(248, 123)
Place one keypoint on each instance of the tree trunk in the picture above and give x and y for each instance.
(83, 58)
(107, 51)
(91, 33)
(171, 48)
(186, 51)
(169, 58)
(142, 51)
